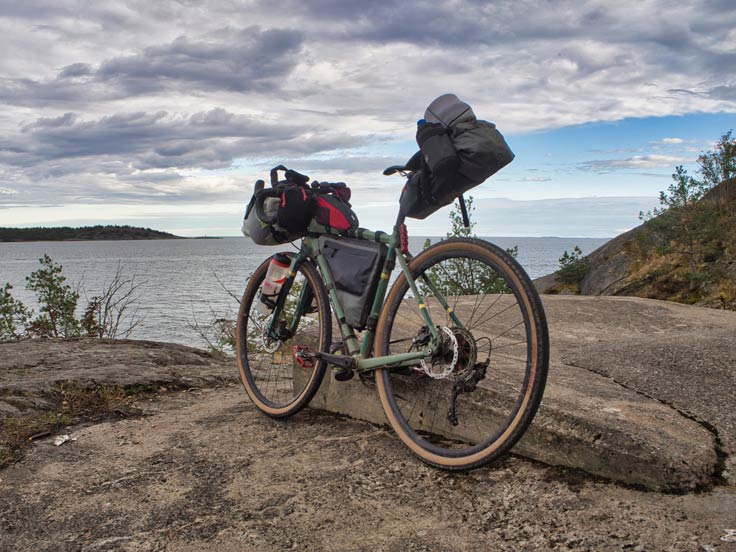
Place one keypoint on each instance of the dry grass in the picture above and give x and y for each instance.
(70, 404)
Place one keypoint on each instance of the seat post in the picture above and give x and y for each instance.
(399, 221)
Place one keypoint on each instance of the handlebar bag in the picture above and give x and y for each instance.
(332, 207)
(265, 228)
(261, 232)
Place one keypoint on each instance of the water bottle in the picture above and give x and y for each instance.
(278, 271)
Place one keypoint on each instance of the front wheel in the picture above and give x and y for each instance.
(475, 397)
(276, 382)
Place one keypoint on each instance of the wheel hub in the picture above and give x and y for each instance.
(270, 345)
(444, 361)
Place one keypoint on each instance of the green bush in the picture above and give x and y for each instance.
(57, 301)
(573, 267)
(14, 316)
(109, 315)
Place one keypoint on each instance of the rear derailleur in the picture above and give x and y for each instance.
(466, 382)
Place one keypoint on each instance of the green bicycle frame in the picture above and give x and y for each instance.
(360, 351)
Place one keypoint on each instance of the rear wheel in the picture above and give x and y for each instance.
(276, 383)
(476, 396)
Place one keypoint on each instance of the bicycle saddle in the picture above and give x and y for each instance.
(410, 166)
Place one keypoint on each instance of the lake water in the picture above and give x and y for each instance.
(180, 285)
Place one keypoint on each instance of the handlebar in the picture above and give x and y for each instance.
(289, 174)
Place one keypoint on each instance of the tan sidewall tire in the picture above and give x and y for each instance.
(537, 375)
(315, 380)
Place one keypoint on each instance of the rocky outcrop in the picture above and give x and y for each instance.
(610, 265)
(639, 395)
(31, 369)
(639, 391)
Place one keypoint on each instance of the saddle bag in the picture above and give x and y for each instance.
(458, 152)
(355, 266)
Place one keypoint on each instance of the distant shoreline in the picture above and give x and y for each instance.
(85, 233)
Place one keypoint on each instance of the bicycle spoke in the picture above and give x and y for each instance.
(269, 361)
(474, 400)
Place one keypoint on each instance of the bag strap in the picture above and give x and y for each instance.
(464, 211)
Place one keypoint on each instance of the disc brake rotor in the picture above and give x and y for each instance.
(442, 365)
(467, 349)
(270, 345)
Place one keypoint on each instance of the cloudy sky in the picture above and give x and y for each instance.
(163, 113)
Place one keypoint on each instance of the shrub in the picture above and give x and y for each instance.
(573, 267)
(111, 314)
(57, 301)
(13, 316)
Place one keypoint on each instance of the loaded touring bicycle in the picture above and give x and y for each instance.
(457, 347)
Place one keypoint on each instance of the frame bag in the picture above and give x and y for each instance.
(355, 266)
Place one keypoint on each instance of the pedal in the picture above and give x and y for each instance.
(304, 356)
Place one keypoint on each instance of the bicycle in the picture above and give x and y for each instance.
(458, 347)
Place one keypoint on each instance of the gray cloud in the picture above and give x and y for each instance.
(238, 60)
(134, 148)
(130, 99)
(724, 92)
(209, 139)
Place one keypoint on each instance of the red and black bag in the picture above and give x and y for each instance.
(293, 204)
(332, 206)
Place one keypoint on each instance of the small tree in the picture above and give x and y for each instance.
(57, 300)
(720, 163)
(684, 222)
(14, 316)
(573, 267)
(462, 276)
(684, 192)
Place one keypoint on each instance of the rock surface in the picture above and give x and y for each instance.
(31, 369)
(205, 471)
(610, 264)
(657, 418)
